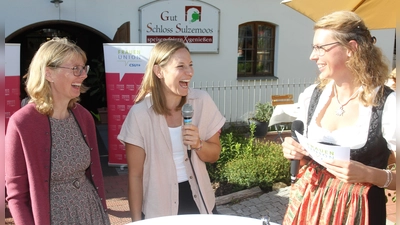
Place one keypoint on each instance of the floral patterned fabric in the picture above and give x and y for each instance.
(73, 198)
(320, 199)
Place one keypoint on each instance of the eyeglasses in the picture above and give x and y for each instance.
(321, 50)
(77, 70)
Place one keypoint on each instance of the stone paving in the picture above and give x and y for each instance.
(272, 204)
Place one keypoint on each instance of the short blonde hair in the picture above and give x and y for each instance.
(160, 55)
(50, 54)
(367, 63)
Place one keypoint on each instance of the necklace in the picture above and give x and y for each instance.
(340, 111)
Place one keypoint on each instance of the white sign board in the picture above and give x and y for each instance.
(125, 65)
(126, 58)
(12, 52)
(193, 22)
(12, 80)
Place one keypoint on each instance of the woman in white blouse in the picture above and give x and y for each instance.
(349, 106)
(164, 179)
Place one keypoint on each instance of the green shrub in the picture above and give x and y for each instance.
(246, 162)
(233, 143)
(263, 167)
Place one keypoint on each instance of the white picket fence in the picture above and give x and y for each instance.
(236, 100)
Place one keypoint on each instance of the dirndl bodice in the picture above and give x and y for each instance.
(318, 197)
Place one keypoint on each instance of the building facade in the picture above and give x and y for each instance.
(292, 35)
(257, 40)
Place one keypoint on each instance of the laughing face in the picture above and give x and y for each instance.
(329, 54)
(65, 84)
(176, 74)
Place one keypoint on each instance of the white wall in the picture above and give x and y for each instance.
(385, 40)
(293, 37)
(289, 55)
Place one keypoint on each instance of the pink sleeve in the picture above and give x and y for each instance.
(16, 177)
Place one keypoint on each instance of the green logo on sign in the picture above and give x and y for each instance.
(195, 16)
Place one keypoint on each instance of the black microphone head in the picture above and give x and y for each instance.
(298, 126)
(187, 111)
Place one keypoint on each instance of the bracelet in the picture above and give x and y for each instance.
(201, 145)
(389, 178)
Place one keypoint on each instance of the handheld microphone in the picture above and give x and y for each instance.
(298, 126)
(187, 114)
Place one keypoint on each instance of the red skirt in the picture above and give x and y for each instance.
(319, 198)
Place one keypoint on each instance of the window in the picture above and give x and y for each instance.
(256, 46)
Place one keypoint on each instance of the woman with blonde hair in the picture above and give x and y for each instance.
(166, 158)
(52, 164)
(350, 106)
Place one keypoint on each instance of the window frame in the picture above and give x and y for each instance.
(267, 54)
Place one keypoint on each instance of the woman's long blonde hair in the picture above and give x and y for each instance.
(50, 54)
(160, 55)
(367, 63)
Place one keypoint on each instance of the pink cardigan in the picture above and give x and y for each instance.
(27, 163)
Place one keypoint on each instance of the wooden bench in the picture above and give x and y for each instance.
(282, 99)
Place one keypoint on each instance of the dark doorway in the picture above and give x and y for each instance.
(89, 39)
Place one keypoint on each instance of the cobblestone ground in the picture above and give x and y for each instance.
(272, 204)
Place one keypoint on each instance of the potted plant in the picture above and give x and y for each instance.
(261, 117)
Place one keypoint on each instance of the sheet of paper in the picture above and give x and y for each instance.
(320, 152)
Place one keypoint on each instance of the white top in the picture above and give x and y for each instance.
(353, 136)
(177, 152)
(284, 114)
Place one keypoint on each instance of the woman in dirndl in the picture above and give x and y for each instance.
(349, 106)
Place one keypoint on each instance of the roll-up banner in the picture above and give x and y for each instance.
(12, 80)
(125, 66)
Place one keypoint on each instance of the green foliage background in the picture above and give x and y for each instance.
(248, 162)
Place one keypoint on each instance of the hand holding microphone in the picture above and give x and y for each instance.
(298, 126)
(187, 114)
